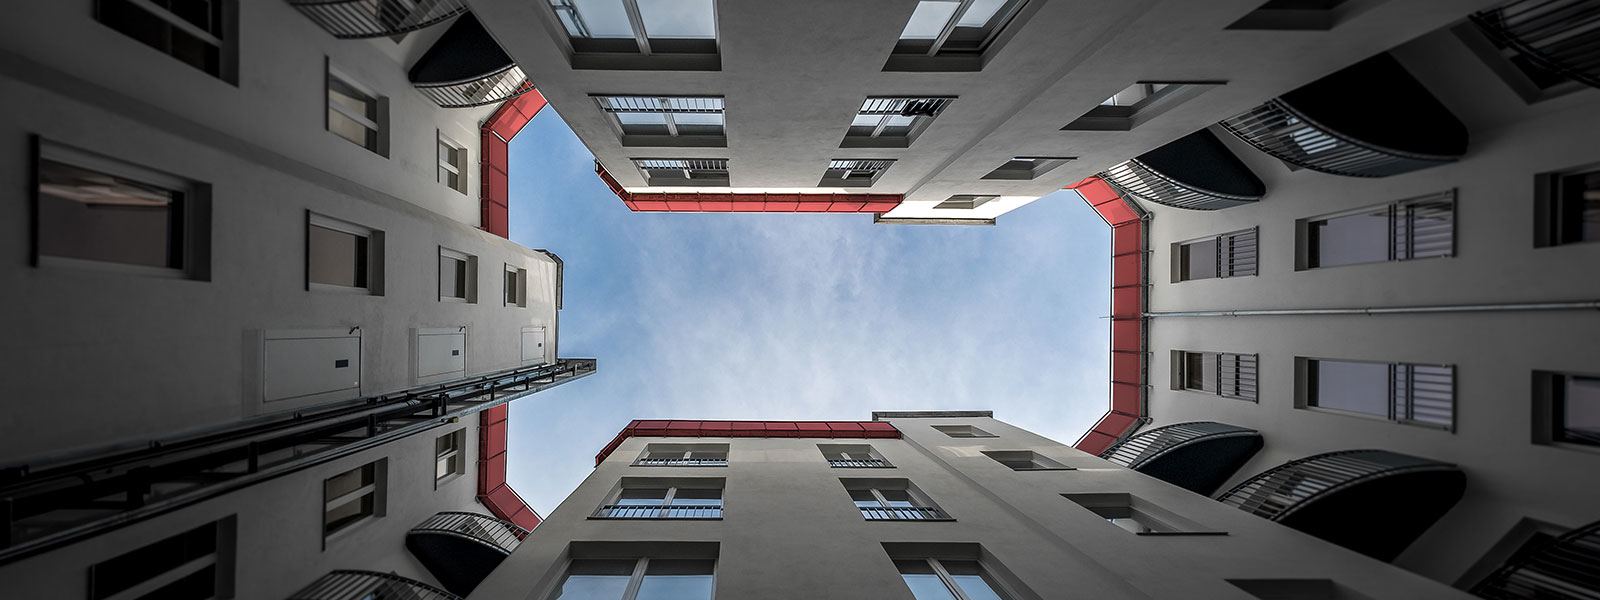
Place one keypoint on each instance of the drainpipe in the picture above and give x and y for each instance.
(1392, 310)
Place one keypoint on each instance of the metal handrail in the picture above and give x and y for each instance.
(635, 511)
(1148, 445)
(1281, 131)
(1136, 178)
(1285, 489)
(1560, 569)
(682, 462)
(345, 584)
(499, 533)
(859, 463)
(355, 19)
(682, 164)
(1559, 35)
(904, 513)
(499, 86)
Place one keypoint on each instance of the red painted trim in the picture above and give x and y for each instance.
(760, 202)
(1128, 356)
(761, 429)
(493, 491)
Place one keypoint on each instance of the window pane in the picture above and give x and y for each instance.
(94, 216)
(929, 19)
(1580, 410)
(596, 580)
(979, 13)
(1350, 239)
(1579, 207)
(1353, 386)
(337, 258)
(347, 96)
(668, 579)
(865, 498)
(595, 18)
(347, 513)
(678, 19)
(697, 498)
(443, 467)
(1199, 260)
(452, 277)
(642, 497)
(972, 580)
(924, 583)
(351, 129)
(348, 481)
(897, 497)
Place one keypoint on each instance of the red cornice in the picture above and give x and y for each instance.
(1127, 315)
(756, 202)
(743, 429)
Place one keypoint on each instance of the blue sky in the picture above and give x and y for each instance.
(799, 317)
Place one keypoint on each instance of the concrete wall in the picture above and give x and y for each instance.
(790, 530)
(1494, 355)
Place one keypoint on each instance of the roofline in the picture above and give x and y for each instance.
(882, 415)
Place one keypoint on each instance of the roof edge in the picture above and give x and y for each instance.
(881, 415)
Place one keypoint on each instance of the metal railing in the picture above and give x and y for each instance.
(904, 513)
(1132, 452)
(1559, 35)
(364, 585)
(634, 511)
(493, 88)
(1284, 489)
(1136, 178)
(1423, 394)
(484, 529)
(859, 463)
(905, 106)
(849, 168)
(1236, 253)
(1236, 375)
(682, 462)
(660, 104)
(1424, 228)
(1281, 131)
(351, 19)
(683, 164)
(1561, 569)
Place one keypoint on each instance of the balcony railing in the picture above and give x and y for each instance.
(460, 549)
(1198, 456)
(351, 19)
(1134, 177)
(484, 529)
(1286, 488)
(1195, 172)
(859, 463)
(634, 511)
(682, 462)
(364, 585)
(1278, 130)
(467, 67)
(904, 513)
(1562, 568)
(488, 89)
(1133, 452)
(1559, 35)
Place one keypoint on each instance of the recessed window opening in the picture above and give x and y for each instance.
(1027, 168)
(355, 113)
(1137, 104)
(853, 456)
(965, 201)
(1407, 393)
(892, 122)
(196, 32)
(1527, 77)
(516, 286)
(194, 565)
(639, 26)
(659, 120)
(854, 172)
(1567, 209)
(1292, 15)
(1228, 255)
(353, 496)
(1137, 515)
(1421, 227)
(652, 500)
(1222, 373)
(452, 164)
(650, 578)
(700, 172)
(458, 274)
(892, 500)
(945, 27)
(963, 431)
(1567, 408)
(342, 256)
(684, 455)
(1025, 460)
(949, 579)
(449, 456)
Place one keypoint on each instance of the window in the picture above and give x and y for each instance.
(194, 565)
(1025, 460)
(853, 456)
(197, 32)
(353, 496)
(1137, 104)
(637, 579)
(342, 256)
(941, 36)
(641, 34)
(1568, 207)
(1421, 227)
(101, 213)
(965, 201)
(452, 164)
(516, 282)
(357, 114)
(892, 500)
(1567, 408)
(1221, 373)
(963, 431)
(642, 498)
(683, 455)
(892, 122)
(1136, 515)
(948, 579)
(698, 172)
(449, 457)
(854, 172)
(1401, 392)
(1226, 255)
(667, 121)
(1027, 168)
(1292, 15)
(458, 276)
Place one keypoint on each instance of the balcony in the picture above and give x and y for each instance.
(462, 548)
(1371, 119)
(1195, 172)
(1197, 456)
(1372, 501)
(904, 513)
(355, 19)
(367, 585)
(682, 462)
(859, 463)
(1557, 35)
(1562, 568)
(656, 511)
(466, 68)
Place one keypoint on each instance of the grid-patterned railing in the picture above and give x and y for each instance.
(1564, 568)
(905, 106)
(634, 511)
(655, 104)
(1134, 451)
(683, 164)
(1423, 394)
(1559, 35)
(485, 529)
(853, 167)
(1424, 228)
(1136, 178)
(363, 585)
(1279, 130)
(493, 88)
(682, 462)
(349, 19)
(1236, 375)
(1236, 253)
(1286, 488)
(859, 463)
(904, 513)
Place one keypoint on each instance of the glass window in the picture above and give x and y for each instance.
(664, 503)
(337, 257)
(1574, 213)
(1350, 239)
(192, 31)
(169, 565)
(674, 116)
(1199, 260)
(679, 19)
(353, 113)
(936, 29)
(596, 580)
(1417, 228)
(937, 579)
(1579, 410)
(1402, 392)
(452, 165)
(350, 497)
(656, 579)
(91, 215)
(655, 27)
(897, 503)
(1221, 373)
(894, 117)
(449, 459)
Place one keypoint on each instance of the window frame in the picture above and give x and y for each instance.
(1159, 521)
(647, 53)
(374, 255)
(1551, 207)
(885, 107)
(971, 431)
(1307, 233)
(921, 504)
(663, 511)
(222, 559)
(378, 490)
(874, 459)
(1549, 411)
(469, 274)
(458, 168)
(1308, 376)
(685, 451)
(1038, 461)
(226, 42)
(1113, 117)
(379, 126)
(457, 455)
(667, 108)
(636, 580)
(950, 583)
(714, 172)
(909, 55)
(516, 281)
(1227, 255)
(1181, 372)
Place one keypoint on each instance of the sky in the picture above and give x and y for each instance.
(799, 316)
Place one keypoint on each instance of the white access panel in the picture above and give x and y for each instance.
(533, 345)
(298, 364)
(441, 352)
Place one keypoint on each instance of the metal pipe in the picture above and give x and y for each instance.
(1391, 310)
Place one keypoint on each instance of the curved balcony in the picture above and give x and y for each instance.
(1375, 502)
(366, 585)
(1561, 569)
(462, 548)
(354, 19)
(1371, 119)
(1197, 456)
(467, 68)
(1559, 35)
(1195, 171)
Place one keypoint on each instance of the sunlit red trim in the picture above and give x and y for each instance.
(1127, 315)
(764, 429)
(732, 202)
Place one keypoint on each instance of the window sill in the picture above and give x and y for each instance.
(1048, 469)
(345, 531)
(446, 480)
(1216, 395)
(82, 264)
(339, 289)
(1180, 533)
(1365, 416)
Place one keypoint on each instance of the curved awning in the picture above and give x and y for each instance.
(1195, 171)
(1559, 35)
(1196, 456)
(462, 548)
(355, 19)
(467, 67)
(365, 585)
